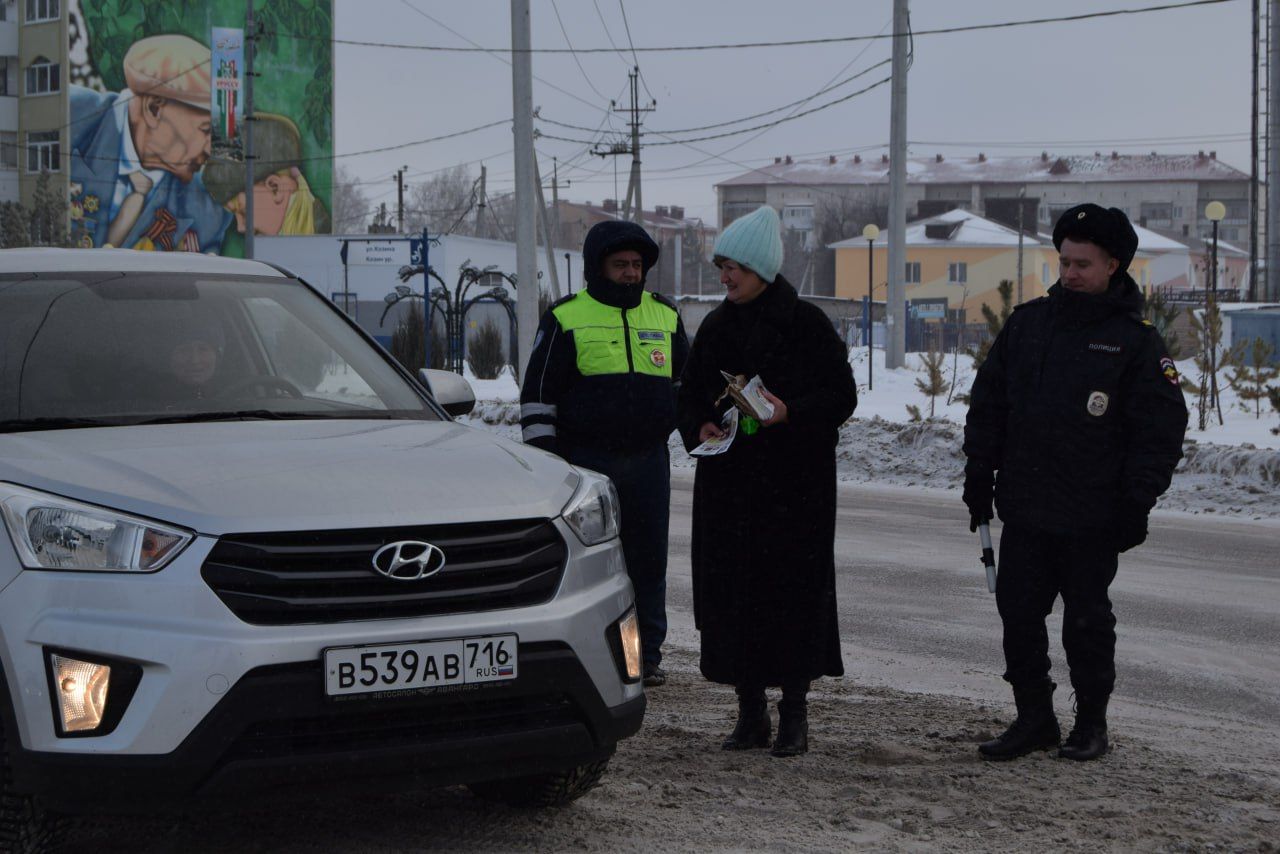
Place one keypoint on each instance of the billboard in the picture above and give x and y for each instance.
(157, 122)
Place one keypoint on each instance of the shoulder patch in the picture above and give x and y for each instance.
(563, 300)
(1137, 318)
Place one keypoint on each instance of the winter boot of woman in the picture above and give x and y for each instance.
(1088, 738)
(753, 727)
(793, 727)
(1036, 727)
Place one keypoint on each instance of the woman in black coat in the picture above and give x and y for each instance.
(764, 511)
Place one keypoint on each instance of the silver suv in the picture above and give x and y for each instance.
(242, 547)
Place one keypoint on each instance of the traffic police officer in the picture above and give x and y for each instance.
(1078, 409)
(600, 392)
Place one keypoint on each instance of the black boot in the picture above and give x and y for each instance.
(793, 725)
(1036, 727)
(1088, 738)
(753, 727)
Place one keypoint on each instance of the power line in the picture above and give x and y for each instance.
(609, 35)
(635, 59)
(576, 61)
(1164, 7)
(806, 100)
(775, 123)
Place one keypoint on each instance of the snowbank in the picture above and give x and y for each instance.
(1231, 470)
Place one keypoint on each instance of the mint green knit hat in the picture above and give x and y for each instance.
(754, 241)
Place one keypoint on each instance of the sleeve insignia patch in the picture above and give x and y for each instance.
(1169, 370)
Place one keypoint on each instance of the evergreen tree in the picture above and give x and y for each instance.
(15, 223)
(407, 345)
(484, 351)
(935, 383)
(1157, 310)
(995, 321)
(1251, 381)
(49, 209)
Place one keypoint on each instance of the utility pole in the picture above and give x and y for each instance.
(547, 246)
(555, 200)
(525, 194)
(633, 185)
(400, 199)
(482, 230)
(1273, 149)
(895, 321)
(250, 42)
(1253, 163)
(1022, 195)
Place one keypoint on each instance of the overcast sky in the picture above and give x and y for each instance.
(1171, 81)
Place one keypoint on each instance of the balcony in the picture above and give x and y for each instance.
(8, 113)
(9, 37)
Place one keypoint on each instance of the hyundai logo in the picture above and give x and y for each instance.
(408, 560)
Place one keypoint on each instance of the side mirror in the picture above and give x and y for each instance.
(449, 390)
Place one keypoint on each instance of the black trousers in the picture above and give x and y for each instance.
(1035, 568)
(643, 480)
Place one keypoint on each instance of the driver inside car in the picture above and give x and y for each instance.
(192, 362)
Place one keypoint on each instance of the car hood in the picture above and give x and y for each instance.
(251, 476)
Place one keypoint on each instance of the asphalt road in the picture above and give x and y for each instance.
(1198, 606)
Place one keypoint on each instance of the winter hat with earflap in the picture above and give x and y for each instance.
(754, 241)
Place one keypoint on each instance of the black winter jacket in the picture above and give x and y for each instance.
(1078, 409)
(560, 408)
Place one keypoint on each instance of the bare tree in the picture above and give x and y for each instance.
(351, 207)
(441, 203)
(838, 218)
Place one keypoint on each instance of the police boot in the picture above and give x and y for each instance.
(1036, 727)
(1088, 738)
(753, 727)
(793, 727)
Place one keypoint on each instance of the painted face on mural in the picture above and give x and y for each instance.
(172, 136)
(271, 197)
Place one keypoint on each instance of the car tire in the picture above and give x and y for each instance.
(543, 790)
(25, 826)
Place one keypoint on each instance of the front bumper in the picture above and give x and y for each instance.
(275, 727)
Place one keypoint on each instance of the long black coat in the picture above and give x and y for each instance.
(764, 512)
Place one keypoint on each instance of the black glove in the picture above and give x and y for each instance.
(979, 491)
(1130, 528)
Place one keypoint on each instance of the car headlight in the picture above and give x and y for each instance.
(593, 513)
(50, 532)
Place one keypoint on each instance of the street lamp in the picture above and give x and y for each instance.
(1214, 211)
(870, 231)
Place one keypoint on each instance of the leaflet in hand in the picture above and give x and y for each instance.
(748, 396)
(711, 447)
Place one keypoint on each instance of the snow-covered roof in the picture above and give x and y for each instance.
(954, 228)
(48, 260)
(996, 170)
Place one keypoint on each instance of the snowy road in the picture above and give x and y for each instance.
(1198, 605)
(1195, 724)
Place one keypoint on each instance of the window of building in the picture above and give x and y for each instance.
(1177, 212)
(8, 150)
(958, 272)
(44, 151)
(43, 10)
(43, 77)
(5, 62)
(913, 273)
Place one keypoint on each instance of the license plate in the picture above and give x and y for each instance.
(425, 664)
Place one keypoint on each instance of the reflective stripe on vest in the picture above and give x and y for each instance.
(602, 333)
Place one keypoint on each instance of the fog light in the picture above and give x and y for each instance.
(81, 689)
(629, 634)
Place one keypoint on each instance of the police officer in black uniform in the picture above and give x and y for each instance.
(1075, 426)
(600, 392)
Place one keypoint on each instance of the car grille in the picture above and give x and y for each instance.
(328, 576)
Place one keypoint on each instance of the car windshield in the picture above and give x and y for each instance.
(108, 349)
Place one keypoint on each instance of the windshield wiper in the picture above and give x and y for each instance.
(20, 425)
(225, 415)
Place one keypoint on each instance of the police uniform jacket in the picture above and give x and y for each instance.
(1079, 411)
(605, 360)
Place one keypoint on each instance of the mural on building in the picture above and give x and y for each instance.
(156, 123)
